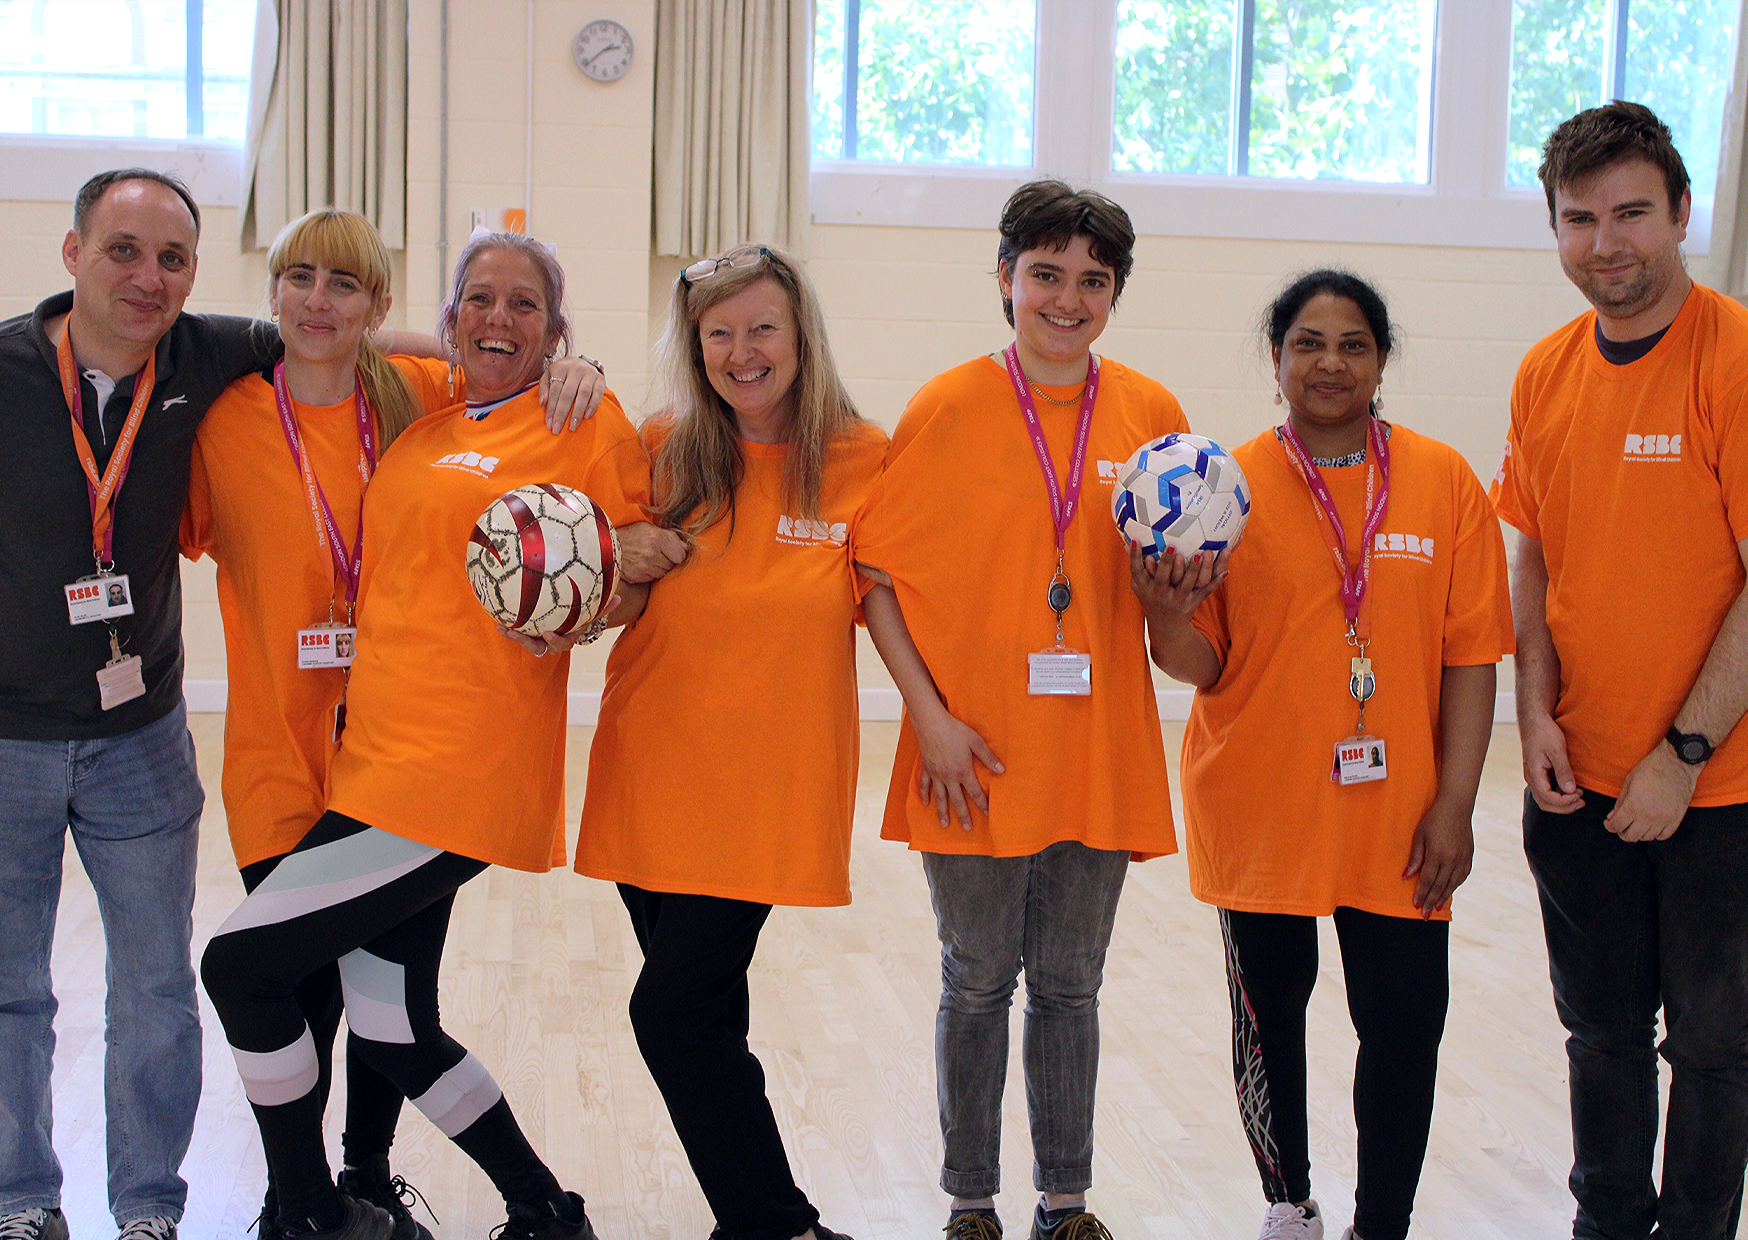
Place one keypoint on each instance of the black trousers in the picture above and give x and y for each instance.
(1398, 990)
(690, 1011)
(378, 905)
(1632, 928)
(373, 1104)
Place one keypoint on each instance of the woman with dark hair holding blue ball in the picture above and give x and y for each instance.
(1352, 641)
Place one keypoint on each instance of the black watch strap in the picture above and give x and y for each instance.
(1690, 747)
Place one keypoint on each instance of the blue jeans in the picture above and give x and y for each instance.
(133, 805)
(1631, 928)
(1051, 914)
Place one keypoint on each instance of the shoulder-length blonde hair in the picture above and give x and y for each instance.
(346, 241)
(698, 463)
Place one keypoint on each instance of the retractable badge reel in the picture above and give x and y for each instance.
(1360, 758)
(1059, 670)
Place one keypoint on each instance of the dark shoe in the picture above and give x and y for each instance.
(390, 1193)
(157, 1227)
(973, 1225)
(546, 1221)
(826, 1233)
(33, 1225)
(363, 1221)
(1077, 1226)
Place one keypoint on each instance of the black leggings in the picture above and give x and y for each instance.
(690, 1011)
(377, 905)
(373, 1104)
(1398, 989)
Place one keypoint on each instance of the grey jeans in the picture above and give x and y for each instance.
(1051, 914)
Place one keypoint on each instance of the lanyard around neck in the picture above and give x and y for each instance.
(349, 563)
(1356, 579)
(1063, 500)
(103, 490)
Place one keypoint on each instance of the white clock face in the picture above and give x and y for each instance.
(603, 50)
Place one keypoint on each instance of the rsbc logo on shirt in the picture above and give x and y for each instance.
(1108, 471)
(1403, 547)
(468, 462)
(1653, 447)
(802, 532)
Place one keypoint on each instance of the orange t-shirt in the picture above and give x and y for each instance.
(247, 509)
(1635, 480)
(454, 734)
(961, 521)
(747, 654)
(1268, 830)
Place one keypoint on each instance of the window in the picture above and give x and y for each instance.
(924, 81)
(1674, 56)
(1272, 88)
(1390, 121)
(153, 69)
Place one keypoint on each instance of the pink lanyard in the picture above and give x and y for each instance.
(327, 529)
(1061, 507)
(1356, 580)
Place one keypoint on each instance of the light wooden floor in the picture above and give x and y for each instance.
(539, 969)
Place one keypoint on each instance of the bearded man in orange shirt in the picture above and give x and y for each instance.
(1626, 475)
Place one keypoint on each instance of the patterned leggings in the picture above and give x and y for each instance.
(1398, 988)
(379, 905)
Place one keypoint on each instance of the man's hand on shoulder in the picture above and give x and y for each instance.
(1654, 797)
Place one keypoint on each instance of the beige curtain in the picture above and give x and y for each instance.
(327, 115)
(731, 124)
(1725, 266)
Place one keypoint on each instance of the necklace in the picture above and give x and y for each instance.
(1072, 400)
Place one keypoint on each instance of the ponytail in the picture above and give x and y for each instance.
(388, 393)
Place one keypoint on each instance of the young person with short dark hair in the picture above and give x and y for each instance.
(1632, 675)
(993, 593)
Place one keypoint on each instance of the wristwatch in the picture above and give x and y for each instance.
(1690, 747)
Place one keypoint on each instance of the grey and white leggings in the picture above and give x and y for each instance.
(379, 905)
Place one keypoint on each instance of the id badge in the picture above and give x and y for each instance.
(120, 681)
(327, 645)
(1059, 673)
(104, 597)
(1359, 760)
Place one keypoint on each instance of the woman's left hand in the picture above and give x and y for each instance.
(570, 391)
(539, 647)
(1443, 854)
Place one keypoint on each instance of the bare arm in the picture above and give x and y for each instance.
(949, 749)
(1443, 851)
(1656, 793)
(1170, 589)
(1545, 767)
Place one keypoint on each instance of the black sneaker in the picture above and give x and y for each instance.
(363, 1221)
(390, 1193)
(546, 1221)
(1080, 1225)
(826, 1233)
(973, 1225)
(37, 1224)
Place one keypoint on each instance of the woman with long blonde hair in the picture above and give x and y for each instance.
(277, 482)
(747, 650)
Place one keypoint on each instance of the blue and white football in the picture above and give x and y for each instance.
(1181, 493)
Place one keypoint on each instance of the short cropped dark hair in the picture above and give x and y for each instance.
(1600, 138)
(1278, 315)
(1052, 214)
(91, 193)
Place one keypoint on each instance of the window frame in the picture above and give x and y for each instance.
(52, 167)
(1465, 203)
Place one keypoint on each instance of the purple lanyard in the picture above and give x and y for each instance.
(1061, 507)
(327, 529)
(1355, 579)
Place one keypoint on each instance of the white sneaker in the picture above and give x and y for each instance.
(1286, 1221)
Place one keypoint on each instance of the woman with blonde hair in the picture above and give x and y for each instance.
(748, 650)
(285, 538)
